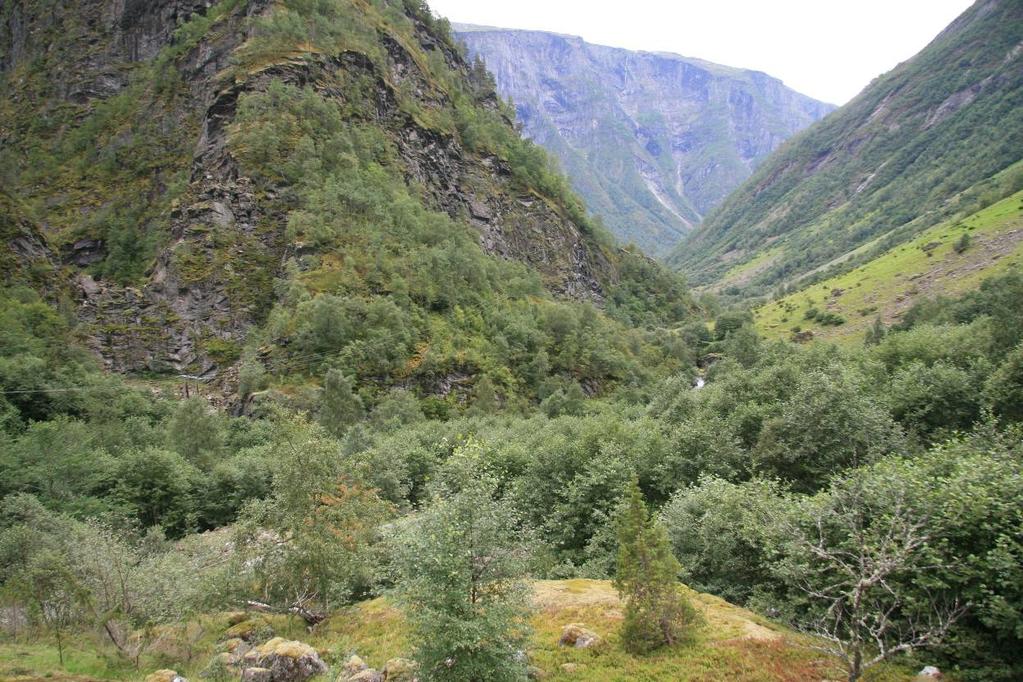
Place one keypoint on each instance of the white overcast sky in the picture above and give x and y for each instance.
(828, 49)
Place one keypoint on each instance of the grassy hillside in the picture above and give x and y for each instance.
(734, 644)
(946, 259)
(910, 151)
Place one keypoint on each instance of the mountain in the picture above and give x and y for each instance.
(292, 187)
(924, 143)
(952, 258)
(651, 141)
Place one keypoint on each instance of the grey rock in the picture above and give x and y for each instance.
(592, 106)
(257, 675)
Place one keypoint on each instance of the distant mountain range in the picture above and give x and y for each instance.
(651, 141)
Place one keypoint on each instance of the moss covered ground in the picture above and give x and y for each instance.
(732, 644)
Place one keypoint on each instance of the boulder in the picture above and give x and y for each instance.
(165, 676)
(257, 675)
(367, 675)
(287, 660)
(400, 670)
(251, 629)
(352, 666)
(576, 635)
(930, 673)
(535, 673)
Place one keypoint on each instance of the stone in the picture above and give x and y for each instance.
(288, 660)
(257, 675)
(367, 675)
(165, 676)
(353, 665)
(576, 635)
(249, 630)
(930, 673)
(400, 670)
(535, 673)
(569, 667)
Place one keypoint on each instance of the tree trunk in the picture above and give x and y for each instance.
(856, 666)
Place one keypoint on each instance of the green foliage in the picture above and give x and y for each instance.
(880, 169)
(719, 532)
(309, 543)
(876, 333)
(156, 486)
(341, 406)
(1004, 388)
(460, 566)
(929, 399)
(829, 424)
(656, 612)
(195, 432)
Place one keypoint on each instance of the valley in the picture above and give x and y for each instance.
(314, 366)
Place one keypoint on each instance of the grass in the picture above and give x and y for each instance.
(732, 644)
(927, 266)
(741, 274)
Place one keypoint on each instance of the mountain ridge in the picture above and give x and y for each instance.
(918, 145)
(650, 140)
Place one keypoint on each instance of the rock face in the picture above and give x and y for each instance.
(220, 242)
(651, 141)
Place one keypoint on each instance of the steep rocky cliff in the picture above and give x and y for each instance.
(182, 168)
(921, 144)
(651, 141)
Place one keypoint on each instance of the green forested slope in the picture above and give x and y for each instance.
(912, 149)
(302, 187)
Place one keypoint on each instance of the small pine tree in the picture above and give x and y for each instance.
(963, 243)
(876, 333)
(656, 612)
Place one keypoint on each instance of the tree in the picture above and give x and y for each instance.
(309, 545)
(52, 592)
(341, 405)
(830, 423)
(157, 485)
(718, 530)
(876, 333)
(460, 566)
(1004, 389)
(195, 432)
(656, 612)
(486, 400)
(849, 552)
